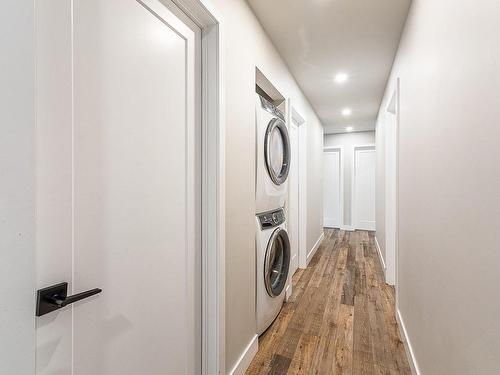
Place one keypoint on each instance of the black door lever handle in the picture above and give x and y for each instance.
(65, 301)
(56, 296)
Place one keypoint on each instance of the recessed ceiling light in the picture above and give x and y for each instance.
(341, 78)
(349, 129)
(346, 111)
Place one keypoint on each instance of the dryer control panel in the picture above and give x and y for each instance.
(272, 219)
(271, 108)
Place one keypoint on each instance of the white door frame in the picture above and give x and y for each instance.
(204, 14)
(391, 178)
(17, 139)
(288, 205)
(354, 219)
(294, 115)
(342, 155)
(392, 198)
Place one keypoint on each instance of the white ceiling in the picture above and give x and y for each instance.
(320, 38)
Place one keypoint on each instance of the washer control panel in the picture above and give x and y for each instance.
(272, 218)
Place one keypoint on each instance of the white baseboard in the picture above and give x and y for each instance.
(407, 344)
(348, 228)
(315, 248)
(246, 357)
(380, 255)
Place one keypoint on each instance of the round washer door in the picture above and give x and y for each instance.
(277, 151)
(277, 262)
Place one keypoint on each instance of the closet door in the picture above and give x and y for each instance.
(364, 188)
(118, 190)
(332, 204)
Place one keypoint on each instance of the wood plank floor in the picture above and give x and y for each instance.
(340, 318)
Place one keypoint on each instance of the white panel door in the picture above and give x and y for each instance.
(118, 187)
(293, 181)
(364, 188)
(390, 196)
(332, 200)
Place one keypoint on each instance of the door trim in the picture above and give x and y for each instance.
(354, 218)
(341, 161)
(392, 113)
(295, 115)
(209, 19)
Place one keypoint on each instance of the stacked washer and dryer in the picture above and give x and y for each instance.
(272, 242)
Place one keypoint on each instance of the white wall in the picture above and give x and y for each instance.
(17, 188)
(247, 46)
(348, 140)
(449, 179)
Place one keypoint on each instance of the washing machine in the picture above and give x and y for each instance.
(273, 156)
(273, 264)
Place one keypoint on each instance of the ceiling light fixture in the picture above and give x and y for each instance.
(341, 78)
(346, 112)
(349, 129)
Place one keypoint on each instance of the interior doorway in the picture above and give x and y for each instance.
(333, 187)
(363, 181)
(107, 205)
(391, 185)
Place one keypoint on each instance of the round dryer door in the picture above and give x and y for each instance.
(277, 151)
(277, 262)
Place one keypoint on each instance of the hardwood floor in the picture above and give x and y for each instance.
(340, 318)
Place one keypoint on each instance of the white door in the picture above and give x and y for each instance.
(364, 188)
(332, 197)
(390, 197)
(118, 187)
(391, 151)
(293, 216)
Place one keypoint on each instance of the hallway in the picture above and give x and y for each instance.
(290, 184)
(340, 318)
